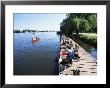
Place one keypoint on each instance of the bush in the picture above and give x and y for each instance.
(89, 39)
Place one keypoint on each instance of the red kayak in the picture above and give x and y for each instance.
(35, 40)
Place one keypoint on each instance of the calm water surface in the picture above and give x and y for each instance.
(38, 58)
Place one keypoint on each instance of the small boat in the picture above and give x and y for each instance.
(35, 39)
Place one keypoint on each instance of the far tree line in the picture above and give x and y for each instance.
(28, 30)
(79, 22)
(23, 31)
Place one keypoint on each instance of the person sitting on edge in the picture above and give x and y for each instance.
(71, 45)
(71, 52)
(76, 47)
(67, 44)
(76, 55)
(63, 43)
(67, 41)
(63, 52)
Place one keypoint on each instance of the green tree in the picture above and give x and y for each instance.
(93, 23)
(79, 22)
(84, 25)
(76, 24)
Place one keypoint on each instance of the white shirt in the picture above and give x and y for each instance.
(71, 50)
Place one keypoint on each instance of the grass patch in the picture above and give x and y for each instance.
(90, 38)
(89, 34)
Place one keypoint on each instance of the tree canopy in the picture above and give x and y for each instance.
(79, 22)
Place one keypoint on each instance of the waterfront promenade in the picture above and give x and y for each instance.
(87, 64)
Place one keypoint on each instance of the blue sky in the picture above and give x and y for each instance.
(38, 21)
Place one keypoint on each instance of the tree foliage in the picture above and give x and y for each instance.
(79, 22)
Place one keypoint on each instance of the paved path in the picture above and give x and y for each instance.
(87, 64)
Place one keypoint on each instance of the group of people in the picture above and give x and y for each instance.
(68, 53)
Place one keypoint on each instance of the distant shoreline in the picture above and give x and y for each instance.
(34, 32)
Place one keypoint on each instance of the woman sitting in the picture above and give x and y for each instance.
(64, 52)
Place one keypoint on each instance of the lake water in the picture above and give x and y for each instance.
(38, 58)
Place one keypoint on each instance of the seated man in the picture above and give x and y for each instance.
(67, 44)
(76, 55)
(64, 52)
(65, 63)
(60, 60)
(71, 45)
(63, 43)
(76, 47)
(71, 52)
(69, 59)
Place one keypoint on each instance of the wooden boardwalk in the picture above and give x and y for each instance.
(86, 64)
